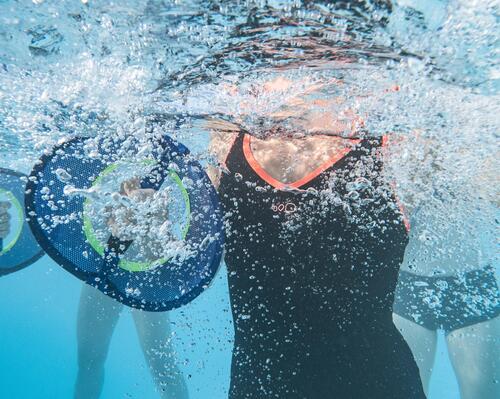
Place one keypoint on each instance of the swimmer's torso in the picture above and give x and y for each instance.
(312, 273)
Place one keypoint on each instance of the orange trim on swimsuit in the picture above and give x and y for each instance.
(297, 184)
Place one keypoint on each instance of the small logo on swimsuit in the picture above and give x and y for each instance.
(288, 207)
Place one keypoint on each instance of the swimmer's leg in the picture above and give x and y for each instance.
(97, 317)
(422, 343)
(475, 356)
(155, 338)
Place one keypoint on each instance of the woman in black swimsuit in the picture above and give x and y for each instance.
(315, 239)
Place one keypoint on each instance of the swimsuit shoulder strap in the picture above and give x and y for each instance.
(235, 160)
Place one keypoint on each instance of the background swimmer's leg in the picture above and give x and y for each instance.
(97, 318)
(422, 343)
(475, 356)
(154, 334)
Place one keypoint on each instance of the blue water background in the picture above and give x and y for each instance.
(38, 342)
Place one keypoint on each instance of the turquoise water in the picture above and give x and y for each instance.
(99, 68)
(38, 361)
(39, 340)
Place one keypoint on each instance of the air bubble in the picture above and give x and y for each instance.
(63, 176)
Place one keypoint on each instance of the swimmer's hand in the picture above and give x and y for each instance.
(134, 219)
(4, 219)
(132, 189)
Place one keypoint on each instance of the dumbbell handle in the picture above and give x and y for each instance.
(115, 246)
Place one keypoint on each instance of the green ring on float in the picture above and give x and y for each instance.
(11, 197)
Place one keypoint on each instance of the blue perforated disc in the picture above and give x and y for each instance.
(69, 228)
(19, 248)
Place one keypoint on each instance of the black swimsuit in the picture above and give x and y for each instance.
(312, 274)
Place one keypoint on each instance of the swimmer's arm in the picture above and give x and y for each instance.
(222, 136)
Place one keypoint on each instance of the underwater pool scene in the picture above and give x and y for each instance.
(228, 199)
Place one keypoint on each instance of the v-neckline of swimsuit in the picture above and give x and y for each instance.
(309, 177)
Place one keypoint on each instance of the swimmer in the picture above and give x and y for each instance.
(97, 318)
(447, 283)
(314, 243)
(4, 219)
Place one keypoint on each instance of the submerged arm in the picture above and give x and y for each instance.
(222, 137)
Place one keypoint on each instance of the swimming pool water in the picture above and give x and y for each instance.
(100, 68)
